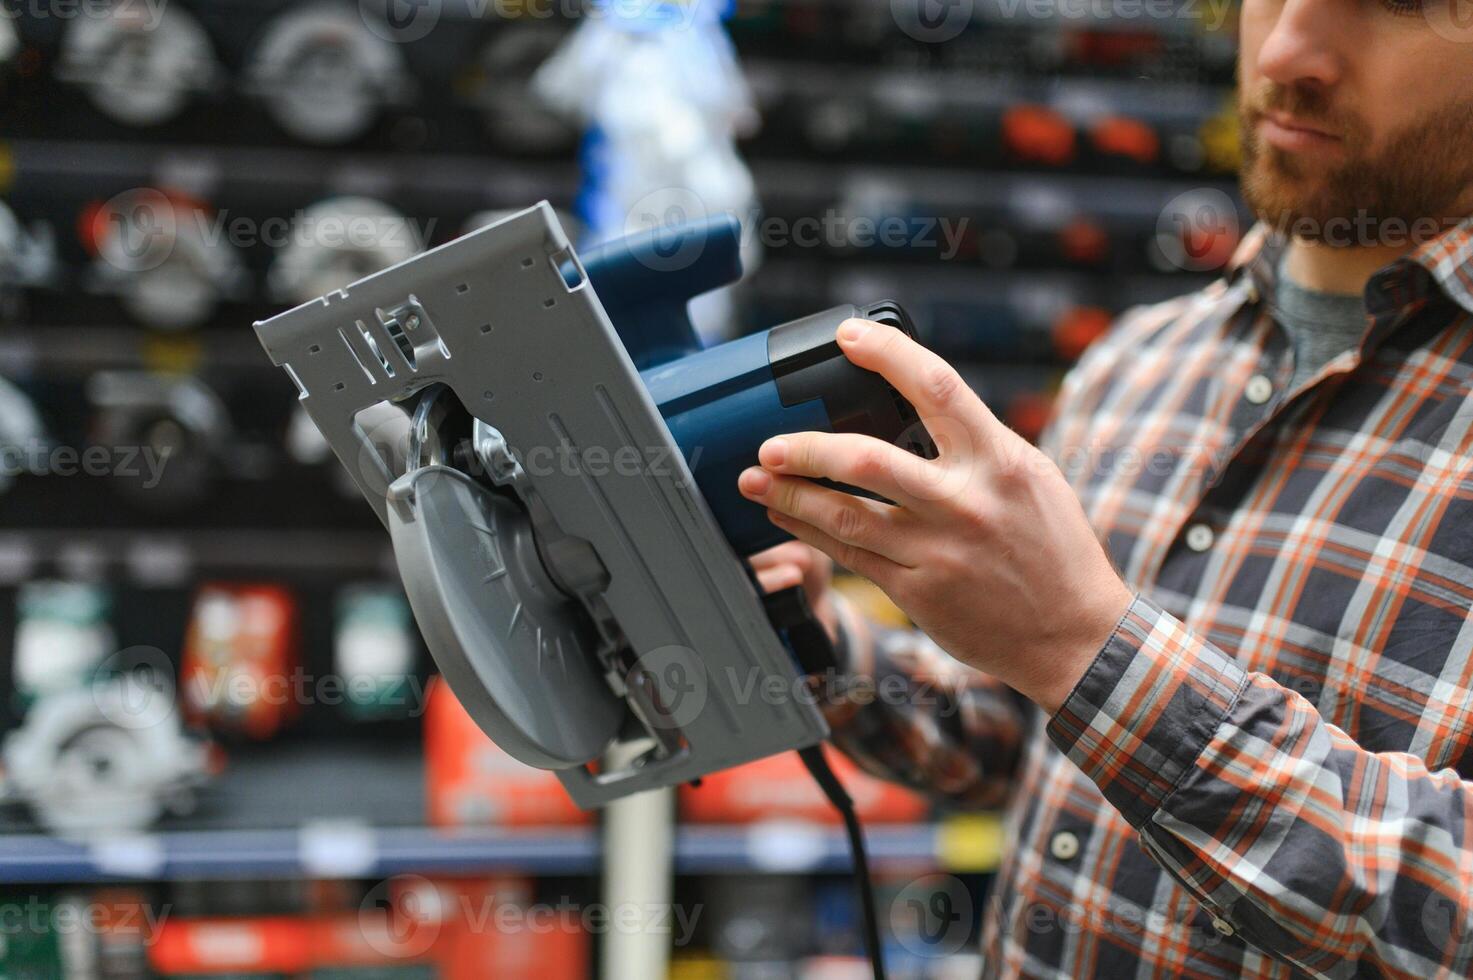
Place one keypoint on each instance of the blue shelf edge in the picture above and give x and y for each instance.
(360, 851)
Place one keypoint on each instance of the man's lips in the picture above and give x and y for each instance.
(1288, 133)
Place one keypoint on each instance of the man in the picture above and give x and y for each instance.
(1247, 752)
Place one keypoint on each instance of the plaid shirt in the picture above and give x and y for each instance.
(1265, 771)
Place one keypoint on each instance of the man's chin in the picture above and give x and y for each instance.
(1292, 205)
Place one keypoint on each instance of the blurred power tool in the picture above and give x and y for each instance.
(561, 489)
(106, 756)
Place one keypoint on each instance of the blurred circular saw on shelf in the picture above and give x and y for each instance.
(103, 757)
(338, 240)
(159, 254)
(140, 63)
(324, 75)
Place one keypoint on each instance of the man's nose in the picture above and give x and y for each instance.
(1305, 46)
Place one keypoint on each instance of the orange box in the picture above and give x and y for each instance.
(240, 654)
(780, 788)
(492, 927)
(268, 944)
(472, 783)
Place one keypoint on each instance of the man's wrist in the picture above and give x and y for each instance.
(1072, 659)
(1146, 709)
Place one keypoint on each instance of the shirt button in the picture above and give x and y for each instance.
(1260, 389)
(1223, 926)
(1200, 537)
(1064, 845)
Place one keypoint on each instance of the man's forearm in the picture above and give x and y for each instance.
(908, 713)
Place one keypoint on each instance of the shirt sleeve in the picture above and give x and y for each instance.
(905, 711)
(1340, 861)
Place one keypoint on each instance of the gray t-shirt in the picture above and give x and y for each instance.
(1320, 325)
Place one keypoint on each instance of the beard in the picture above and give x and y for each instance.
(1410, 192)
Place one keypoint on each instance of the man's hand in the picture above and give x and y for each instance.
(986, 548)
(795, 563)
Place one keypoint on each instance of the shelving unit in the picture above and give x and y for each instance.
(1054, 146)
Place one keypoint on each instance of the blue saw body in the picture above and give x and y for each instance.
(721, 403)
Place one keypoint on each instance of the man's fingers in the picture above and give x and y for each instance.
(951, 411)
(850, 458)
(794, 553)
(876, 568)
(779, 577)
(851, 520)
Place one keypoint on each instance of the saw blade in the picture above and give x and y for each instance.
(519, 653)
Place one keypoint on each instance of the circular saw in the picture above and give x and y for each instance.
(555, 455)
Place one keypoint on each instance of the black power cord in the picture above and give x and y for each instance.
(790, 613)
(818, 766)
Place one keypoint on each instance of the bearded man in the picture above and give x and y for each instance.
(1210, 645)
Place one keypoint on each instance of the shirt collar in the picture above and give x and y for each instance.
(1447, 259)
(1257, 257)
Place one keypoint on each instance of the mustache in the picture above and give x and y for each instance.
(1308, 105)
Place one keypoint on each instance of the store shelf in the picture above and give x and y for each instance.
(322, 850)
(351, 850)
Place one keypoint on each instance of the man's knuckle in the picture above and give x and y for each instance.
(849, 523)
(787, 498)
(942, 383)
(869, 462)
(850, 556)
